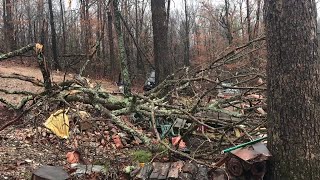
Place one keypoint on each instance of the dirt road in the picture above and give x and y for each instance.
(31, 71)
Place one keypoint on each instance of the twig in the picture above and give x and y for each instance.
(23, 78)
(16, 92)
(262, 124)
(187, 156)
(17, 118)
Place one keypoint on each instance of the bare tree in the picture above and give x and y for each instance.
(53, 37)
(249, 21)
(113, 60)
(63, 27)
(187, 31)
(123, 56)
(227, 21)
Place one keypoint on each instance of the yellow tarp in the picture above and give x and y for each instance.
(58, 123)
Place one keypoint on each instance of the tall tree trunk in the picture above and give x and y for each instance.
(140, 66)
(56, 63)
(85, 25)
(123, 55)
(111, 44)
(163, 65)
(63, 27)
(241, 20)
(9, 24)
(227, 21)
(257, 25)
(293, 72)
(187, 41)
(98, 26)
(249, 21)
(30, 35)
(88, 29)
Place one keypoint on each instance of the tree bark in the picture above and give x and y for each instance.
(53, 36)
(163, 65)
(111, 44)
(293, 72)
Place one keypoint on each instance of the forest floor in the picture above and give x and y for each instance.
(23, 147)
(28, 144)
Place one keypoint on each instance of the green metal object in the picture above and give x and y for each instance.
(167, 129)
(243, 145)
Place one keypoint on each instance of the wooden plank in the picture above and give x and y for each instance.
(156, 170)
(202, 173)
(175, 169)
(164, 171)
(190, 168)
(144, 172)
(185, 176)
(50, 172)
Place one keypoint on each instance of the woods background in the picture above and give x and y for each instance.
(198, 31)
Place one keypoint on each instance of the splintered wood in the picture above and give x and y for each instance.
(172, 170)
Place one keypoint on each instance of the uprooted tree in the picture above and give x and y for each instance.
(188, 94)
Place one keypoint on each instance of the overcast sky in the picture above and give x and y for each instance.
(176, 4)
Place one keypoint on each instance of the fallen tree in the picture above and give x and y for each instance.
(188, 94)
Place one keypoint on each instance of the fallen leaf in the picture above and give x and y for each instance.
(237, 132)
(73, 157)
(117, 141)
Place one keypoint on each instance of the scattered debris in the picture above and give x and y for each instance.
(176, 140)
(50, 173)
(58, 123)
(117, 141)
(248, 160)
(188, 111)
(73, 157)
(87, 169)
(150, 82)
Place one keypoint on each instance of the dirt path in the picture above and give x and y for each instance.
(14, 84)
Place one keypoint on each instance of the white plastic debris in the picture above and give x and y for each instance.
(87, 169)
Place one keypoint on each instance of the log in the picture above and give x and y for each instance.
(17, 52)
(32, 80)
(41, 61)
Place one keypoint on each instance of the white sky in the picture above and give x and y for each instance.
(175, 3)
